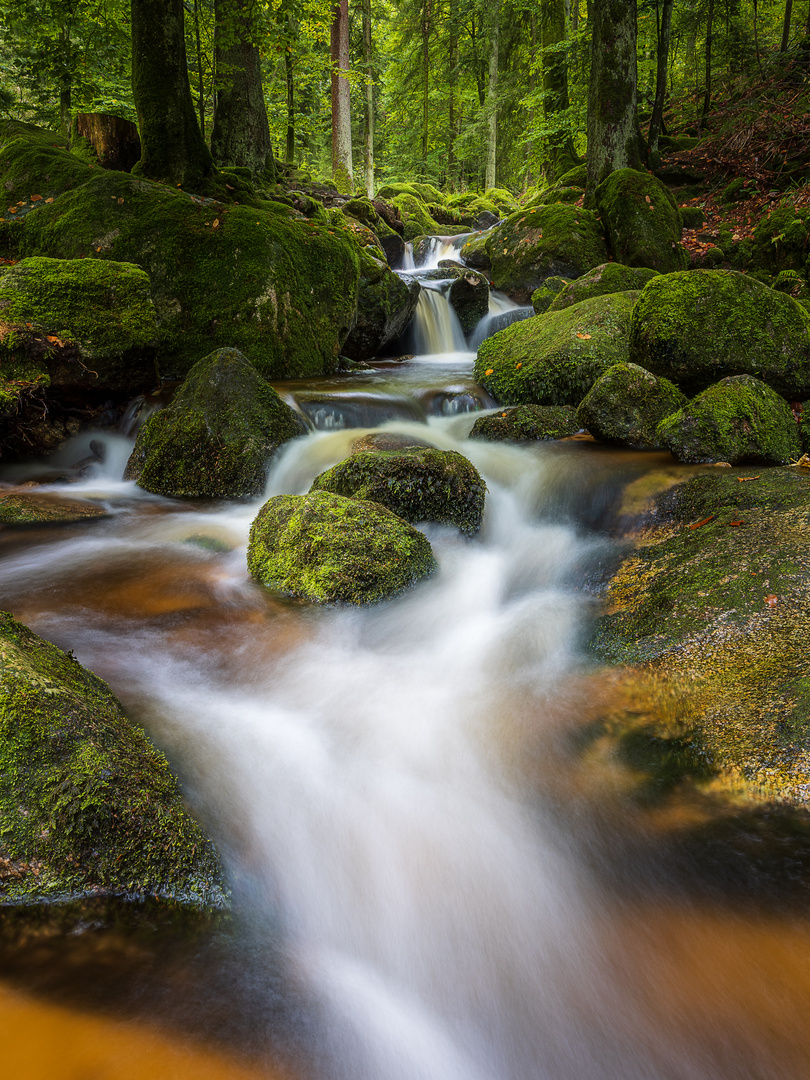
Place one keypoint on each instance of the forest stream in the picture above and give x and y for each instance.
(429, 881)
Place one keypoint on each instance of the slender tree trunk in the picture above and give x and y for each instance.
(453, 114)
(786, 26)
(200, 89)
(562, 155)
(342, 170)
(613, 137)
(368, 147)
(173, 149)
(65, 97)
(289, 76)
(756, 35)
(426, 28)
(707, 92)
(532, 88)
(492, 95)
(662, 66)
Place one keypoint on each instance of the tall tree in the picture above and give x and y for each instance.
(342, 171)
(492, 94)
(173, 149)
(561, 154)
(368, 134)
(707, 91)
(664, 19)
(614, 141)
(241, 133)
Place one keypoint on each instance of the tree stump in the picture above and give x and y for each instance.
(115, 140)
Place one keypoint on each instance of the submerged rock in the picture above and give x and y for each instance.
(44, 508)
(216, 438)
(330, 549)
(554, 359)
(642, 221)
(88, 805)
(626, 404)
(418, 484)
(385, 440)
(527, 423)
(697, 327)
(608, 278)
(737, 419)
(385, 306)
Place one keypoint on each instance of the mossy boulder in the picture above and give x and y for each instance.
(330, 549)
(576, 177)
(23, 507)
(280, 287)
(418, 484)
(474, 253)
(697, 327)
(88, 805)
(34, 162)
(626, 405)
(216, 438)
(385, 306)
(555, 359)
(389, 239)
(416, 216)
(549, 241)
(469, 298)
(711, 610)
(737, 419)
(608, 278)
(781, 239)
(527, 423)
(557, 193)
(543, 297)
(88, 324)
(642, 221)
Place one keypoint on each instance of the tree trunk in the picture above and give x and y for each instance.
(492, 95)
(614, 141)
(786, 26)
(662, 67)
(114, 139)
(562, 155)
(756, 35)
(342, 172)
(707, 92)
(65, 118)
(200, 90)
(173, 149)
(241, 133)
(289, 145)
(368, 146)
(454, 116)
(426, 27)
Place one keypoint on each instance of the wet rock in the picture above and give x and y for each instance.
(385, 440)
(418, 484)
(385, 306)
(642, 221)
(216, 438)
(737, 419)
(469, 298)
(626, 405)
(527, 423)
(608, 278)
(329, 549)
(697, 327)
(542, 298)
(554, 359)
(43, 508)
(88, 804)
(475, 255)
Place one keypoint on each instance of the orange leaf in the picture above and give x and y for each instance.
(49, 200)
(584, 337)
(120, 202)
(489, 371)
(742, 479)
(647, 197)
(215, 223)
(771, 600)
(54, 339)
(705, 521)
(736, 523)
(518, 366)
(36, 198)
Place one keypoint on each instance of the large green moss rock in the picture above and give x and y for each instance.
(532, 245)
(87, 324)
(469, 298)
(737, 419)
(712, 611)
(416, 216)
(330, 549)
(385, 306)
(36, 163)
(699, 326)
(475, 253)
(626, 405)
(420, 484)
(88, 805)
(265, 280)
(554, 359)
(642, 221)
(781, 239)
(608, 278)
(543, 297)
(389, 239)
(216, 438)
(527, 423)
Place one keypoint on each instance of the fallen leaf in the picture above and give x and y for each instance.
(489, 371)
(705, 521)
(771, 600)
(53, 338)
(230, 187)
(50, 200)
(736, 523)
(215, 223)
(648, 199)
(121, 202)
(742, 479)
(584, 337)
(36, 198)
(518, 366)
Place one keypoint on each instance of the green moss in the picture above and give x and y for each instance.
(642, 220)
(804, 425)
(576, 177)
(557, 193)
(554, 359)
(781, 240)
(385, 305)
(736, 419)
(608, 278)
(475, 253)
(420, 484)
(216, 438)
(87, 804)
(426, 192)
(692, 217)
(626, 404)
(36, 162)
(415, 214)
(527, 423)
(330, 549)
(543, 297)
(697, 327)
(35, 508)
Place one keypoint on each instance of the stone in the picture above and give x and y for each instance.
(385, 306)
(527, 423)
(607, 278)
(642, 221)
(626, 404)
(19, 507)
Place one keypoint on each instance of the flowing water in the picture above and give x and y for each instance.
(429, 883)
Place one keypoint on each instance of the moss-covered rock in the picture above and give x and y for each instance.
(642, 221)
(385, 305)
(389, 239)
(738, 419)
(781, 239)
(35, 162)
(557, 193)
(330, 549)
(692, 217)
(469, 298)
(527, 423)
(87, 324)
(265, 280)
(804, 425)
(554, 359)
(474, 253)
(416, 216)
(608, 278)
(576, 177)
(626, 405)
(43, 508)
(385, 440)
(702, 325)
(88, 805)
(418, 484)
(216, 438)
(543, 297)
(532, 245)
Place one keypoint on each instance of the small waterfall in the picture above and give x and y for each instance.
(436, 326)
(444, 247)
(502, 313)
(407, 259)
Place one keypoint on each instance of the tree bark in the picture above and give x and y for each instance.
(241, 133)
(289, 144)
(342, 172)
(426, 26)
(200, 90)
(368, 136)
(562, 155)
(492, 95)
(707, 91)
(173, 149)
(786, 26)
(662, 67)
(614, 141)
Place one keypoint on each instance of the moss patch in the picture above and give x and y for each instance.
(642, 220)
(527, 423)
(42, 508)
(385, 306)
(626, 405)
(608, 278)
